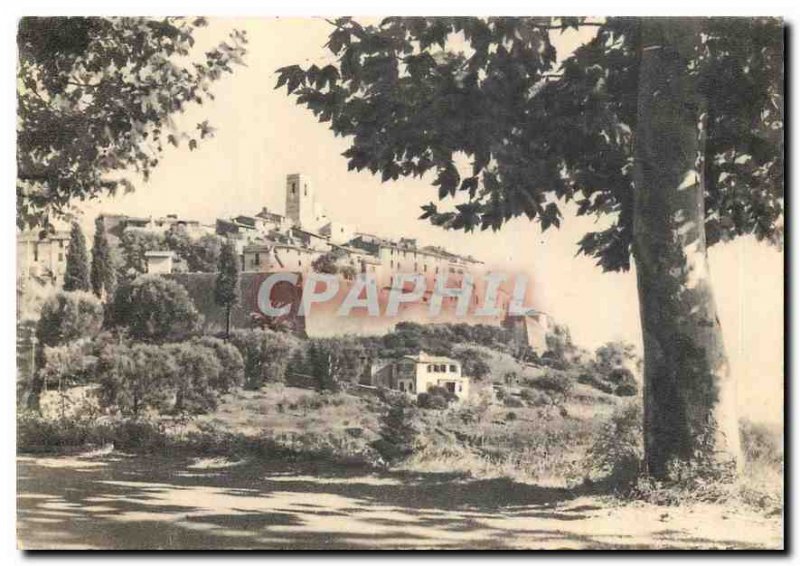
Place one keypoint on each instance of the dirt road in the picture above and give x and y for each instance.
(131, 502)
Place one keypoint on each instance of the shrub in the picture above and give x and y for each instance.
(198, 368)
(36, 433)
(535, 397)
(473, 363)
(69, 364)
(556, 384)
(618, 449)
(229, 357)
(156, 309)
(624, 382)
(596, 382)
(137, 377)
(761, 444)
(613, 355)
(398, 432)
(511, 416)
(266, 354)
(69, 316)
(431, 401)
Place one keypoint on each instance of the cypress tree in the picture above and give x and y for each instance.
(102, 274)
(226, 290)
(76, 276)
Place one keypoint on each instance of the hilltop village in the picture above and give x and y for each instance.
(302, 240)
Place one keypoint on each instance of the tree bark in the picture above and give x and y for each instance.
(689, 393)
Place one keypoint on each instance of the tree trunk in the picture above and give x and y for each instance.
(689, 393)
(228, 322)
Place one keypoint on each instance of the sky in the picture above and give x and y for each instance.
(262, 135)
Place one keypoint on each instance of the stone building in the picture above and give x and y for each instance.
(414, 374)
(42, 256)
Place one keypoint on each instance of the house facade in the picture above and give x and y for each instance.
(42, 256)
(414, 374)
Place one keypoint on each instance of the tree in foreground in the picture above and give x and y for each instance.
(671, 128)
(102, 273)
(154, 309)
(226, 287)
(76, 274)
(96, 99)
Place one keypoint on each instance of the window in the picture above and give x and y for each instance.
(430, 368)
(257, 259)
(35, 252)
(294, 188)
(453, 367)
(425, 267)
(60, 256)
(391, 263)
(61, 244)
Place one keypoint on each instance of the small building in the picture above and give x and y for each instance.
(42, 256)
(270, 256)
(338, 232)
(159, 261)
(419, 373)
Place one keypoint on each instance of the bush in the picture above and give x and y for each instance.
(613, 355)
(398, 432)
(624, 382)
(473, 363)
(431, 401)
(156, 309)
(596, 382)
(137, 377)
(265, 353)
(198, 369)
(619, 381)
(761, 444)
(511, 416)
(618, 449)
(69, 316)
(556, 384)
(37, 433)
(69, 364)
(335, 360)
(229, 357)
(535, 397)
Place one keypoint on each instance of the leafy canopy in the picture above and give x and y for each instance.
(505, 131)
(95, 99)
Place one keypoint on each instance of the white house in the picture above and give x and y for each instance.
(419, 373)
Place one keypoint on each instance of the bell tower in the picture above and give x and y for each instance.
(300, 200)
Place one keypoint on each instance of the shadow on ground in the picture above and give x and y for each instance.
(137, 502)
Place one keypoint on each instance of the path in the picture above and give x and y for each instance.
(118, 501)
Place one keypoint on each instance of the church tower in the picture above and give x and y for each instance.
(300, 200)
